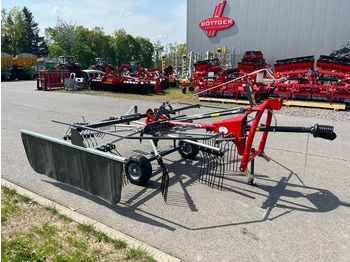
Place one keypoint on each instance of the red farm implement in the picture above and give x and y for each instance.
(210, 74)
(300, 78)
(142, 83)
(165, 77)
(51, 79)
(101, 64)
(221, 146)
(252, 61)
(169, 77)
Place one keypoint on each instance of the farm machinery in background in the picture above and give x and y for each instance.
(46, 63)
(141, 83)
(131, 69)
(21, 67)
(167, 76)
(209, 74)
(300, 78)
(343, 51)
(54, 77)
(133, 79)
(101, 64)
(6, 60)
(68, 63)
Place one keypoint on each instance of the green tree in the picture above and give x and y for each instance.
(178, 49)
(181, 49)
(146, 54)
(100, 43)
(83, 54)
(91, 44)
(109, 51)
(12, 25)
(83, 43)
(82, 48)
(55, 50)
(157, 54)
(63, 35)
(126, 47)
(30, 41)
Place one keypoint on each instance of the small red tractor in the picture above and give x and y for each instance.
(101, 64)
(68, 63)
(130, 69)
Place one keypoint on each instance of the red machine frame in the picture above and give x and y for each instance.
(159, 125)
(210, 74)
(51, 79)
(142, 83)
(328, 80)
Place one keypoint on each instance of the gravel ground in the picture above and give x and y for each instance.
(319, 113)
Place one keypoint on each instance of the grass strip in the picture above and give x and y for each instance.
(30, 232)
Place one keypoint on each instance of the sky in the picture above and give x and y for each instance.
(163, 20)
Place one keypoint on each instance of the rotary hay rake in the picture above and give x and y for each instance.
(88, 156)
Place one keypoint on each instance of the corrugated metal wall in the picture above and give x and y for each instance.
(279, 28)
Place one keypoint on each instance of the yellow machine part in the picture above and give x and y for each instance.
(24, 61)
(6, 61)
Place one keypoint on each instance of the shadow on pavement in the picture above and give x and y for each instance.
(278, 196)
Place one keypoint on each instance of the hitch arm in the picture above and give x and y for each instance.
(322, 131)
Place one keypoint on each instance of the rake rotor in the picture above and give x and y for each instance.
(223, 145)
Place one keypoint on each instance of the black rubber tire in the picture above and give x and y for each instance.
(138, 170)
(188, 150)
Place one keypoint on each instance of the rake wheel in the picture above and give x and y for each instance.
(138, 170)
(188, 150)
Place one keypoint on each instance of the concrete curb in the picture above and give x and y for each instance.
(131, 242)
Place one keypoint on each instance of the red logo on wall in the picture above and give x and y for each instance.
(217, 22)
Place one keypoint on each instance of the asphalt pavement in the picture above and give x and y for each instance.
(299, 211)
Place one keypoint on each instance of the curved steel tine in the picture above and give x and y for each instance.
(201, 167)
(203, 173)
(85, 139)
(237, 161)
(210, 168)
(214, 169)
(206, 166)
(95, 140)
(222, 170)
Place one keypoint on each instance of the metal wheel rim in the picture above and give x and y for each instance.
(134, 171)
(186, 148)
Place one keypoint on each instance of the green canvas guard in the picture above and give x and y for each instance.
(89, 169)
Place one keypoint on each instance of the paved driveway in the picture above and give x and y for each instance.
(298, 212)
